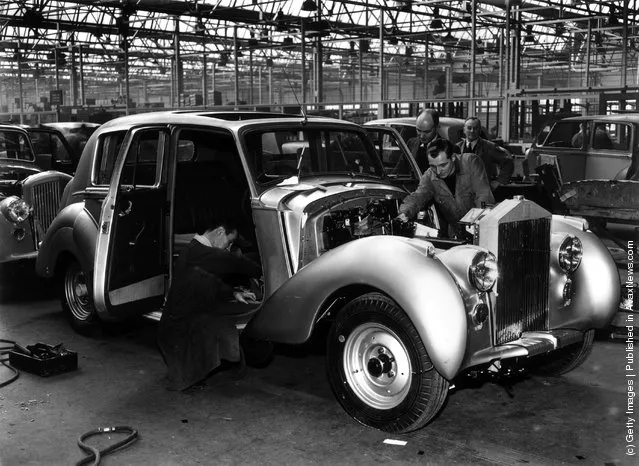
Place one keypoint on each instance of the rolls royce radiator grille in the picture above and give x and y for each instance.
(522, 289)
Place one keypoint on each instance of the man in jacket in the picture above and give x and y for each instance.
(456, 183)
(197, 329)
(497, 161)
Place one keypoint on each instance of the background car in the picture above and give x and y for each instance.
(449, 128)
(58, 146)
(29, 197)
(407, 313)
(605, 153)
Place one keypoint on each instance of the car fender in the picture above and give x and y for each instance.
(597, 285)
(400, 267)
(73, 231)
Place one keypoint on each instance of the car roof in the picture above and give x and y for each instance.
(71, 124)
(445, 121)
(225, 119)
(12, 127)
(629, 117)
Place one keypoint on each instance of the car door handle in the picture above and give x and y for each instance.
(124, 211)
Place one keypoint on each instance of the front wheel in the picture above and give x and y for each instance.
(76, 299)
(379, 368)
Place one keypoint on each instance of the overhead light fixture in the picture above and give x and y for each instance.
(468, 16)
(328, 61)
(364, 45)
(436, 23)
(406, 5)
(309, 5)
(448, 38)
(269, 63)
(530, 36)
(612, 16)
(287, 41)
(352, 52)
(560, 29)
(409, 51)
(393, 40)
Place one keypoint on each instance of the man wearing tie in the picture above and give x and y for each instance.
(497, 160)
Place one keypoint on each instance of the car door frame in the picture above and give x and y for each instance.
(118, 303)
(413, 180)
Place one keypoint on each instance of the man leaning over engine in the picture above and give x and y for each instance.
(456, 183)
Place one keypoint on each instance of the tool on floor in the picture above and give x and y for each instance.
(95, 454)
(43, 359)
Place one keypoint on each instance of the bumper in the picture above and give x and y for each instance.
(530, 344)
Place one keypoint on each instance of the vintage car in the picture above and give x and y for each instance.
(58, 146)
(29, 196)
(407, 315)
(596, 147)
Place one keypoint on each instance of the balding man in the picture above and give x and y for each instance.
(427, 125)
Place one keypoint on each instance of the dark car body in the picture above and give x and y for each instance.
(58, 146)
(29, 196)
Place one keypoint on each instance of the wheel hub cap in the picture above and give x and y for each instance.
(377, 365)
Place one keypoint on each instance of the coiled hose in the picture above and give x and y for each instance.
(96, 455)
(4, 350)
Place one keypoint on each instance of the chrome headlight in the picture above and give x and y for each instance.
(570, 254)
(15, 209)
(483, 271)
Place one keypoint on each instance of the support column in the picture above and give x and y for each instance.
(83, 99)
(381, 113)
(303, 56)
(236, 64)
(20, 92)
(473, 42)
(179, 78)
(204, 89)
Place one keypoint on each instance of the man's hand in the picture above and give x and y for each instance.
(402, 217)
(245, 297)
(494, 185)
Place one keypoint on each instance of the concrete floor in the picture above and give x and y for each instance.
(284, 413)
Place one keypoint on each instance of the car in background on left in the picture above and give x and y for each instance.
(58, 145)
(29, 196)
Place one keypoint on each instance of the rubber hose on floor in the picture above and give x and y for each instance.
(96, 455)
(5, 361)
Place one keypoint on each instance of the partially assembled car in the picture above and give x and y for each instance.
(596, 147)
(29, 196)
(408, 313)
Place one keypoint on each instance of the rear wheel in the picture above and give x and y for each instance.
(566, 359)
(76, 299)
(379, 369)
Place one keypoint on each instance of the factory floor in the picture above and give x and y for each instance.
(285, 413)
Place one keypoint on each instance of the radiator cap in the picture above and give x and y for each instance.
(519, 197)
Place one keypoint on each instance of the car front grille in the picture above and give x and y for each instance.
(44, 196)
(522, 289)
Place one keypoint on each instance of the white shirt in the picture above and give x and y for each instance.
(203, 240)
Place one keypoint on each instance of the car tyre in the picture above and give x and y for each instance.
(76, 299)
(379, 369)
(566, 359)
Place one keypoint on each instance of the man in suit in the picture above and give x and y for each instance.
(498, 162)
(455, 182)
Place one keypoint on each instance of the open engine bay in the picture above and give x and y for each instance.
(359, 218)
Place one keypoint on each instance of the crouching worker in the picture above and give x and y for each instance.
(197, 330)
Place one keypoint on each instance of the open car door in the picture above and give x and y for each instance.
(131, 266)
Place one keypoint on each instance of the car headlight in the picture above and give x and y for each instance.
(15, 209)
(570, 254)
(483, 271)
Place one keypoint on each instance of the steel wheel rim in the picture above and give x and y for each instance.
(377, 366)
(77, 294)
